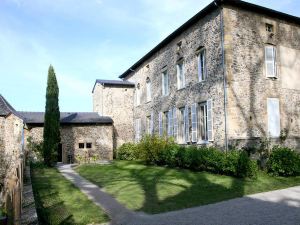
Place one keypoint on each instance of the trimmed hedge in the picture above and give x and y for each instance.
(284, 161)
(164, 151)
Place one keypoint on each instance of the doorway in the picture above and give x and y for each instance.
(59, 153)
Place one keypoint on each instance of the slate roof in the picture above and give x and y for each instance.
(67, 118)
(5, 107)
(208, 9)
(114, 82)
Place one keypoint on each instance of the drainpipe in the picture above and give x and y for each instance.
(224, 74)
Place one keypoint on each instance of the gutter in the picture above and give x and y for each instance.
(224, 74)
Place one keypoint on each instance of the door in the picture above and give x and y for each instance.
(59, 153)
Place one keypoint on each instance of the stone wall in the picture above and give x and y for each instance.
(205, 33)
(248, 86)
(100, 136)
(11, 147)
(116, 102)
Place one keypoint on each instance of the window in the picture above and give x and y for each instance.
(270, 61)
(181, 125)
(160, 123)
(202, 65)
(170, 123)
(204, 111)
(81, 145)
(269, 28)
(137, 130)
(165, 83)
(149, 124)
(179, 45)
(180, 75)
(175, 124)
(148, 89)
(273, 117)
(138, 95)
(88, 145)
(165, 122)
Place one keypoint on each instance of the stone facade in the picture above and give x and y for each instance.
(248, 86)
(205, 33)
(116, 101)
(100, 137)
(234, 37)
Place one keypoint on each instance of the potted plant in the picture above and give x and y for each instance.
(3, 216)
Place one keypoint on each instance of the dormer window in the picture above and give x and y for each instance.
(179, 45)
(269, 28)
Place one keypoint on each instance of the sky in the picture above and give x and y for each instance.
(84, 41)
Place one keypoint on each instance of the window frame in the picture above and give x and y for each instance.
(202, 71)
(272, 62)
(180, 74)
(81, 145)
(148, 90)
(89, 143)
(165, 83)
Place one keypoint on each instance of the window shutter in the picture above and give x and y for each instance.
(273, 117)
(175, 123)
(186, 124)
(194, 122)
(163, 83)
(151, 123)
(160, 125)
(178, 76)
(170, 123)
(270, 60)
(137, 129)
(209, 120)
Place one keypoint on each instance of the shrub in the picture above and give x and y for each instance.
(245, 166)
(127, 151)
(154, 149)
(283, 161)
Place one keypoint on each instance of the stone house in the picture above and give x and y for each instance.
(227, 77)
(12, 159)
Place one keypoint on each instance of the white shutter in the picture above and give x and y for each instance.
(186, 124)
(209, 120)
(178, 76)
(270, 60)
(183, 75)
(160, 125)
(175, 123)
(170, 123)
(151, 123)
(194, 122)
(137, 129)
(273, 117)
(163, 83)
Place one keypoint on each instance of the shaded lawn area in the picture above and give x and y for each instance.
(58, 201)
(154, 189)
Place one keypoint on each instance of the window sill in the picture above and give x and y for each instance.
(203, 142)
(272, 78)
(179, 89)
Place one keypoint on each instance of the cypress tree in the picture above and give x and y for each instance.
(52, 120)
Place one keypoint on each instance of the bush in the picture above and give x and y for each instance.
(164, 151)
(127, 151)
(154, 149)
(245, 166)
(284, 161)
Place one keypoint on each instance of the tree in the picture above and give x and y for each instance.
(52, 120)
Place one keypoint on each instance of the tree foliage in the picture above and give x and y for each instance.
(52, 120)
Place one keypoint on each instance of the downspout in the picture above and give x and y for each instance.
(224, 74)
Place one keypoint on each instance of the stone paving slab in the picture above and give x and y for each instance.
(281, 207)
(29, 215)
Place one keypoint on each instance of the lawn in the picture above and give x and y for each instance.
(154, 189)
(59, 202)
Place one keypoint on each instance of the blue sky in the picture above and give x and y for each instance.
(84, 40)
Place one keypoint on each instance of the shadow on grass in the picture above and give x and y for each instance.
(50, 208)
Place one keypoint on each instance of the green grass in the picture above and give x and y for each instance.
(154, 189)
(58, 201)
